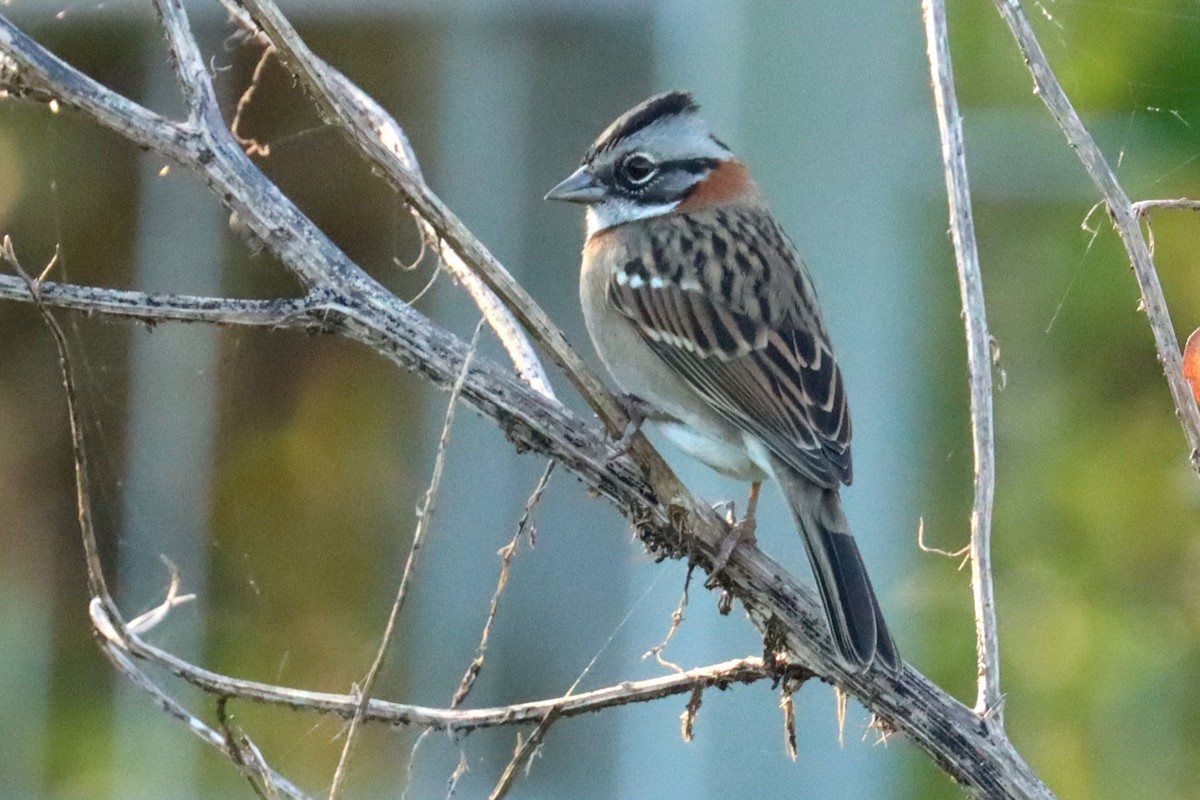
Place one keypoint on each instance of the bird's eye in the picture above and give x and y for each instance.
(637, 169)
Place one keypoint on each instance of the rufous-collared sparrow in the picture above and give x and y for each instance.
(700, 307)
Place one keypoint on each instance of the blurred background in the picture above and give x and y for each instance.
(280, 472)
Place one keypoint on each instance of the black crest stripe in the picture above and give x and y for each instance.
(641, 116)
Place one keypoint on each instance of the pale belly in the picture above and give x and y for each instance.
(688, 421)
(727, 457)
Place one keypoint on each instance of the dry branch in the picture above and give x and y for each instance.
(1124, 214)
(424, 514)
(106, 619)
(506, 553)
(346, 301)
(383, 143)
(302, 313)
(989, 701)
(121, 641)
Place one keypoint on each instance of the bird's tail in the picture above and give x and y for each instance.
(851, 607)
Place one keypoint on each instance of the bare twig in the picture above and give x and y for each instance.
(97, 585)
(668, 518)
(841, 698)
(525, 750)
(1142, 207)
(963, 552)
(506, 556)
(381, 140)
(723, 674)
(197, 726)
(1121, 211)
(476, 666)
(424, 515)
(198, 90)
(460, 769)
(149, 620)
(102, 606)
(301, 313)
(787, 704)
(989, 700)
(690, 712)
(246, 754)
(252, 146)
(676, 622)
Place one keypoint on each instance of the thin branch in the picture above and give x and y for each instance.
(787, 704)
(424, 515)
(989, 700)
(690, 712)
(460, 769)
(676, 623)
(722, 675)
(524, 524)
(1142, 207)
(198, 91)
(963, 552)
(252, 146)
(97, 585)
(467, 682)
(669, 520)
(1141, 210)
(102, 606)
(383, 143)
(149, 620)
(524, 752)
(245, 754)
(1122, 213)
(197, 726)
(302, 313)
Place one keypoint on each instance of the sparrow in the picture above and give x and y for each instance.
(704, 314)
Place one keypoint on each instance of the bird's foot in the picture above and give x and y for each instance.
(740, 532)
(637, 410)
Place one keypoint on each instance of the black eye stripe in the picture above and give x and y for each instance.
(694, 165)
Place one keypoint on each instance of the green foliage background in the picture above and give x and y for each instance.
(1096, 537)
(1096, 527)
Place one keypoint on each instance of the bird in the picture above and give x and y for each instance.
(702, 311)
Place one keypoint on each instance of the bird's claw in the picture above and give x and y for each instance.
(740, 532)
(637, 410)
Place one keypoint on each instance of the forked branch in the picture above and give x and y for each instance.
(1125, 216)
(668, 518)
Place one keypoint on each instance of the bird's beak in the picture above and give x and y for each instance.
(580, 187)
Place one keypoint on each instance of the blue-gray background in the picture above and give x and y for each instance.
(280, 472)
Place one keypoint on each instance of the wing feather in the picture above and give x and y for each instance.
(744, 331)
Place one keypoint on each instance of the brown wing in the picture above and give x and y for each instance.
(722, 298)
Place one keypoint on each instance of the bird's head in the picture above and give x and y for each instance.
(657, 158)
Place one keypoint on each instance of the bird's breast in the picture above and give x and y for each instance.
(686, 419)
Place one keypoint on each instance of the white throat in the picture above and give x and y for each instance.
(615, 211)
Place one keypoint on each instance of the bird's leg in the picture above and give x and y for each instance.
(741, 531)
(637, 410)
